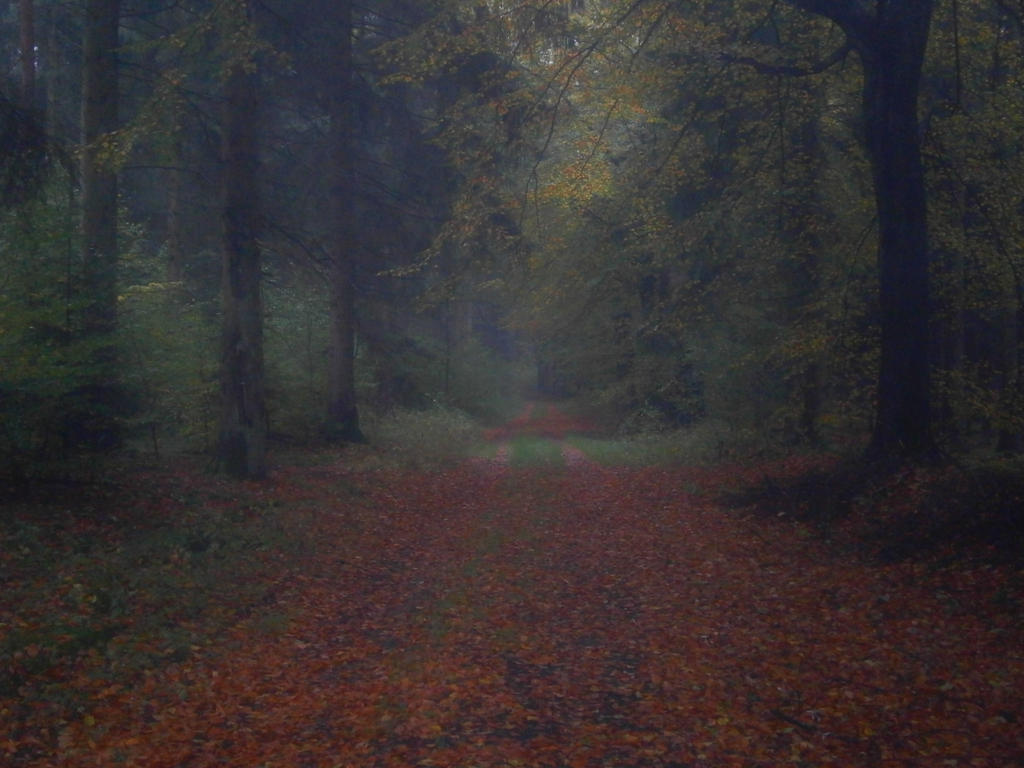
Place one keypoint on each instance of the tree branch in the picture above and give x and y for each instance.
(792, 70)
(855, 17)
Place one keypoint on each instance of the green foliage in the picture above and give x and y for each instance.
(976, 165)
(165, 344)
(620, 194)
(486, 384)
(44, 366)
(169, 339)
(422, 370)
(295, 350)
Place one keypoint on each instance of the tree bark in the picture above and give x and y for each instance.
(1010, 439)
(99, 179)
(96, 426)
(242, 443)
(175, 220)
(342, 410)
(890, 39)
(27, 46)
(53, 80)
(891, 81)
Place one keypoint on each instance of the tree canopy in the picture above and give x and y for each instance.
(783, 224)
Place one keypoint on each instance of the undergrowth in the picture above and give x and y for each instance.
(702, 443)
(178, 614)
(941, 513)
(440, 432)
(114, 581)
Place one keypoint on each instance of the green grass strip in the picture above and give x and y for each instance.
(627, 451)
(527, 450)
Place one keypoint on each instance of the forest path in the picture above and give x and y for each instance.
(540, 424)
(494, 615)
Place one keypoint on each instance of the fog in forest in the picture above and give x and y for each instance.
(277, 273)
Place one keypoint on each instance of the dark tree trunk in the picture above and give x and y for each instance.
(100, 399)
(892, 74)
(27, 46)
(342, 411)
(54, 96)
(242, 440)
(99, 179)
(890, 38)
(1010, 439)
(175, 222)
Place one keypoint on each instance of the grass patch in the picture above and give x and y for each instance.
(637, 450)
(528, 450)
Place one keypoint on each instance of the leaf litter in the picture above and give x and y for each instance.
(578, 615)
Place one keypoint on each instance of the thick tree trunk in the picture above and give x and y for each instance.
(242, 440)
(892, 74)
(96, 426)
(342, 411)
(890, 38)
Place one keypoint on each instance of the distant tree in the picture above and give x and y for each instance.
(27, 51)
(342, 409)
(95, 425)
(25, 155)
(971, 139)
(242, 443)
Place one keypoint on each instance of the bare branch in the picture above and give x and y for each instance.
(792, 70)
(855, 17)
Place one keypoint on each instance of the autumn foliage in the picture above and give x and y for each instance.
(491, 614)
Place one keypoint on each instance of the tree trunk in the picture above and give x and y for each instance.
(892, 74)
(1010, 439)
(242, 443)
(54, 77)
(99, 180)
(96, 426)
(27, 46)
(342, 412)
(890, 38)
(175, 221)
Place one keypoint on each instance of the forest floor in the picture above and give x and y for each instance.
(528, 607)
